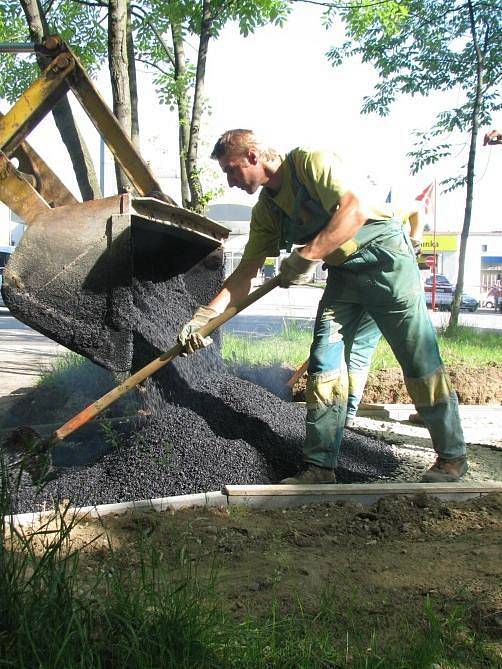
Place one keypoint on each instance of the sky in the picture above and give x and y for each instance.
(279, 83)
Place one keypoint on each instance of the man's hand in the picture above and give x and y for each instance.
(493, 137)
(295, 269)
(417, 245)
(189, 335)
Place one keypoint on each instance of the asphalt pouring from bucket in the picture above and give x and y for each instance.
(200, 427)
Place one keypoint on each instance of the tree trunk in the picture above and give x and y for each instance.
(197, 200)
(80, 156)
(133, 84)
(464, 237)
(183, 115)
(119, 74)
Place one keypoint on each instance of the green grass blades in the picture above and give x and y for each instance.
(291, 346)
(136, 610)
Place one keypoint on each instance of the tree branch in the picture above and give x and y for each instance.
(91, 4)
(160, 39)
(150, 64)
(332, 5)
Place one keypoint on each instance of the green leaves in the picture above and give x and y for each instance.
(81, 25)
(419, 47)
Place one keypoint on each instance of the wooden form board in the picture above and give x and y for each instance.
(281, 496)
(274, 496)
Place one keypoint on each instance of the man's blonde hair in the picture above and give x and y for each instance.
(237, 143)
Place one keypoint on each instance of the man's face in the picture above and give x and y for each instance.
(244, 172)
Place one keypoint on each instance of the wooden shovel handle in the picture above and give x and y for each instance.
(113, 395)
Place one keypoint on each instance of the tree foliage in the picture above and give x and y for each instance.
(170, 36)
(418, 47)
(167, 33)
(26, 20)
(80, 25)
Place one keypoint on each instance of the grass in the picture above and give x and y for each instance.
(57, 613)
(291, 346)
(65, 388)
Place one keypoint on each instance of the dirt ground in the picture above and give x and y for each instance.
(474, 385)
(381, 562)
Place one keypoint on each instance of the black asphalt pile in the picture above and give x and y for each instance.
(201, 427)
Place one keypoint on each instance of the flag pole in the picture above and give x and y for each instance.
(434, 254)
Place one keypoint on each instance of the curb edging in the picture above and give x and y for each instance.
(263, 497)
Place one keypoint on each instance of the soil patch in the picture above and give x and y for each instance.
(379, 562)
(474, 385)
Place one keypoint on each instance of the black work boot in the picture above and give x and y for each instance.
(446, 470)
(311, 474)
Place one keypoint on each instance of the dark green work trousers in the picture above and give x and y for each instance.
(381, 279)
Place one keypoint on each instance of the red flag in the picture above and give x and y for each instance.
(427, 196)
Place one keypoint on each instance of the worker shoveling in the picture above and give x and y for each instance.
(114, 280)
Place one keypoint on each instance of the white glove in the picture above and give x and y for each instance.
(295, 269)
(189, 336)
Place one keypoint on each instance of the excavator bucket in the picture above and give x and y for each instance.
(72, 273)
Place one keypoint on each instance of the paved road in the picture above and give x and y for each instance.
(300, 304)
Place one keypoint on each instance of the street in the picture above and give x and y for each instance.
(24, 353)
(299, 304)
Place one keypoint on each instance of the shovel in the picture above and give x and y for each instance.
(38, 461)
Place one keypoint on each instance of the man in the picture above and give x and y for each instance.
(315, 201)
(493, 136)
(358, 357)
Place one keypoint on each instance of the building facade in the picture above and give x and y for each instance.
(11, 227)
(483, 261)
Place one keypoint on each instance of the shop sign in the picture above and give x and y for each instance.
(441, 243)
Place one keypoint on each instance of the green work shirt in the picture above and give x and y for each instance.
(327, 178)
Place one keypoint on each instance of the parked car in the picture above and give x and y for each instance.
(444, 301)
(443, 284)
(493, 297)
(5, 253)
(469, 302)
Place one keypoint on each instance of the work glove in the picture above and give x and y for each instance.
(295, 269)
(189, 336)
(416, 244)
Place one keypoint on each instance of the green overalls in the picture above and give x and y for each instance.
(374, 279)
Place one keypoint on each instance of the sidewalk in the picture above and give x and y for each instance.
(24, 354)
(301, 302)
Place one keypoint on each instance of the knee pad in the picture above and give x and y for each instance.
(327, 388)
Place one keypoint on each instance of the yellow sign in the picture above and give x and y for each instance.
(441, 243)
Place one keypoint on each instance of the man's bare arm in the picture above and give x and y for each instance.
(237, 286)
(344, 224)
(492, 137)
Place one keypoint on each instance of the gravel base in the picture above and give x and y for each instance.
(412, 446)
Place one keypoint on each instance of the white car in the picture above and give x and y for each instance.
(5, 254)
